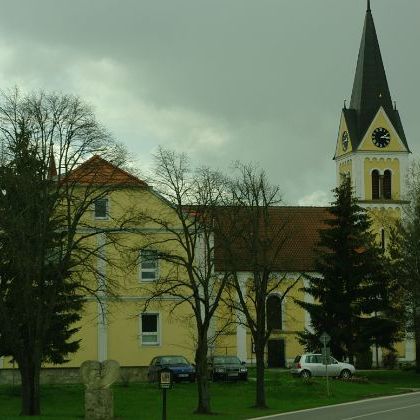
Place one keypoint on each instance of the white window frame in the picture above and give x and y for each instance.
(148, 270)
(106, 217)
(157, 333)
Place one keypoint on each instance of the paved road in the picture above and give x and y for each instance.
(401, 407)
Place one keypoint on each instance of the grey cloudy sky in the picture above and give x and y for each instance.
(254, 80)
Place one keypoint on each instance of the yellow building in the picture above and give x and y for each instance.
(371, 148)
(116, 322)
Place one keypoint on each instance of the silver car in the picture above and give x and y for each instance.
(310, 364)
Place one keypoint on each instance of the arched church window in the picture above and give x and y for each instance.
(387, 184)
(375, 185)
(274, 315)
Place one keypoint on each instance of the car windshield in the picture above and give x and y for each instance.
(224, 360)
(173, 360)
(297, 359)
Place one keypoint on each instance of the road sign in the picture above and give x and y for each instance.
(325, 338)
(326, 353)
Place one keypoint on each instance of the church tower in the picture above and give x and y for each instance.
(371, 147)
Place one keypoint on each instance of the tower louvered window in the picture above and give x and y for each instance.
(375, 185)
(387, 185)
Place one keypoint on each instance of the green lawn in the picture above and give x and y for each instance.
(229, 401)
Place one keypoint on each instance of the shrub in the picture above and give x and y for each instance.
(389, 360)
(125, 378)
(406, 366)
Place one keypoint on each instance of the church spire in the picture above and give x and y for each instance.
(370, 86)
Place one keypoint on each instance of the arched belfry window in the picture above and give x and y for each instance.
(381, 185)
(375, 185)
(274, 315)
(387, 184)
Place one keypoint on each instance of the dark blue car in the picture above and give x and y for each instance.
(227, 368)
(181, 369)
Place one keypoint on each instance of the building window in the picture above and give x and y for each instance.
(387, 185)
(381, 185)
(149, 329)
(148, 265)
(375, 185)
(274, 313)
(101, 208)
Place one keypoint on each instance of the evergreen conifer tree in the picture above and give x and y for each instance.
(351, 289)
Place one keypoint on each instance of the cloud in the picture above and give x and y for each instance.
(317, 198)
(221, 81)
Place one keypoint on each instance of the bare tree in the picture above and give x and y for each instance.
(250, 243)
(47, 231)
(186, 241)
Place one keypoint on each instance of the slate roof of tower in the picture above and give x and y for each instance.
(370, 88)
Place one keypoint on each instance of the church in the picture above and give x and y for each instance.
(371, 148)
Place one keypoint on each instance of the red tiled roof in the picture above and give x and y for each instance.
(99, 171)
(293, 235)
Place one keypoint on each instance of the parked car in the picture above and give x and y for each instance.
(181, 369)
(227, 368)
(308, 365)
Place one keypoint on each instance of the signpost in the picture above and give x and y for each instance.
(165, 382)
(326, 352)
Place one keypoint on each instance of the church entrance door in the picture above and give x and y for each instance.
(276, 353)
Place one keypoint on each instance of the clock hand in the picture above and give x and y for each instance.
(385, 136)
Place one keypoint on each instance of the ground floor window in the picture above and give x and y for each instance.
(149, 329)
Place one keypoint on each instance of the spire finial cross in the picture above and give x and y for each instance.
(368, 5)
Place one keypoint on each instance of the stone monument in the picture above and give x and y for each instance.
(98, 377)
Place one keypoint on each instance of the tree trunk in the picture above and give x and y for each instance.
(29, 372)
(203, 406)
(260, 389)
(417, 336)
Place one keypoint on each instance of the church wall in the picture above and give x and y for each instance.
(237, 339)
(381, 120)
(382, 164)
(346, 167)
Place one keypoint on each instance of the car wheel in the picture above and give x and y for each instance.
(305, 374)
(345, 374)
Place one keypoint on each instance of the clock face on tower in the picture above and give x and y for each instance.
(381, 137)
(345, 140)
